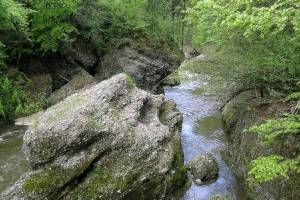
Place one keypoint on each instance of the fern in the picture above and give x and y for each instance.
(293, 97)
(14, 16)
(278, 128)
(265, 169)
(51, 23)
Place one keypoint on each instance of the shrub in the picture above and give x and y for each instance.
(14, 99)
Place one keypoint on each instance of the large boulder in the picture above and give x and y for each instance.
(204, 169)
(111, 141)
(148, 69)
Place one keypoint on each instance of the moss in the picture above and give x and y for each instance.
(179, 178)
(130, 81)
(60, 110)
(208, 125)
(46, 182)
(93, 122)
(173, 79)
(220, 197)
(229, 116)
(199, 91)
(101, 182)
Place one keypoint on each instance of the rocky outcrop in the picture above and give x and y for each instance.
(40, 84)
(242, 112)
(148, 69)
(79, 81)
(112, 141)
(204, 169)
(81, 53)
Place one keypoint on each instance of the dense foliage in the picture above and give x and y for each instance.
(14, 28)
(278, 128)
(38, 28)
(31, 27)
(51, 23)
(267, 168)
(263, 38)
(260, 41)
(14, 101)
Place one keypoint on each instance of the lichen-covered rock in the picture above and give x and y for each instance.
(204, 169)
(148, 69)
(79, 81)
(111, 141)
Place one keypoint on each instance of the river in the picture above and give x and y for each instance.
(202, 132)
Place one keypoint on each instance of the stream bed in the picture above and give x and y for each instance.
(202, 132)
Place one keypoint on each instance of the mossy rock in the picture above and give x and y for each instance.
(220, 197)
(231, 111)
(173, 79)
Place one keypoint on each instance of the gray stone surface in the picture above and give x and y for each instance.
(204, 169)
(79, 81)
(149, 70)
(111, 141)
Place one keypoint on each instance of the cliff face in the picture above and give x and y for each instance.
(149, 68)
(242, 112)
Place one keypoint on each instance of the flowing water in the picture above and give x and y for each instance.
(202, 132)
(12, 159)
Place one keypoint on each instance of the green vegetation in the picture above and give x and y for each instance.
(41, 28)
(267, 168)
(45, 25)
(261, 38)
(254, 43)
(259, 43)
(51, 23)
(14, 101)
(278, 128)
(130, 81)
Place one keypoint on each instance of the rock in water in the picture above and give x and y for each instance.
(112, 141)
(204, 169)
